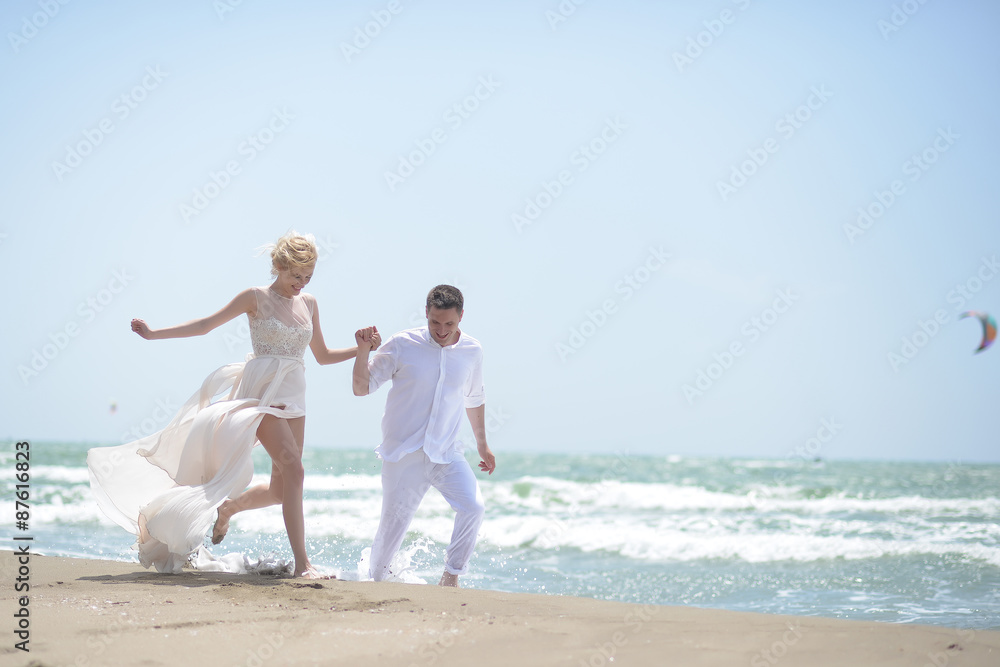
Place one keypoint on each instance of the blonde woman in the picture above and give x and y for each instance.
(166, 487)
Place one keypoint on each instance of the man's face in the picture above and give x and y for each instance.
(443, 324)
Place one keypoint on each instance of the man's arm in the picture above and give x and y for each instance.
(366, 339)
(477, 417)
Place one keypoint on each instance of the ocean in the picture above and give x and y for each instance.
(897, 542)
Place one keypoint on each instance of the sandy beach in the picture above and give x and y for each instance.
(90, 612)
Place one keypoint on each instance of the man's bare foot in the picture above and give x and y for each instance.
(221, 526)
(449, 579)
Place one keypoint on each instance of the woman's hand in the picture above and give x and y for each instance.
(141, 328)
(367, 338)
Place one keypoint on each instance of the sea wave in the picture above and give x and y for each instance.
(745, 540)
(644, 521)
(549, 493)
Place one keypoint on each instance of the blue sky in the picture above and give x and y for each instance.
(652, 208)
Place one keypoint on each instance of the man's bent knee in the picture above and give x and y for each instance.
(474, 507)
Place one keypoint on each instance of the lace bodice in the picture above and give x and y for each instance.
(281, 327)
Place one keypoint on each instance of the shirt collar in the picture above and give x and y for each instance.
(429, 338)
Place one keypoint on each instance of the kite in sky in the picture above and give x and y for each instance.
(989, 328)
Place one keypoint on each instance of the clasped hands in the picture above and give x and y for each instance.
(368, 338)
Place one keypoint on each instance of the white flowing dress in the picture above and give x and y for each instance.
(165, 488)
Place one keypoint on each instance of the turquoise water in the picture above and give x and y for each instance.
(885, 541)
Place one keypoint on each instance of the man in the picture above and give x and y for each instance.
(435, 371)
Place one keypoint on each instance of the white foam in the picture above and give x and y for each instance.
(402, 567)
(238, 563)
(549, 493)
(645, 521)
(734, 537)
(346, 482)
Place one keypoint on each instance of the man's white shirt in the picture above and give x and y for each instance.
(431, 387)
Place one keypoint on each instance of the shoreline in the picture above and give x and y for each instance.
(87, 612)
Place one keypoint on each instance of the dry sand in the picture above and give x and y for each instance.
(90, 612)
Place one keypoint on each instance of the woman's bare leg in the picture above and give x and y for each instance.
(262, 495)
(278, 436)
(256, 497)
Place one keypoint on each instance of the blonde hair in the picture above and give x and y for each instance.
(293, 250)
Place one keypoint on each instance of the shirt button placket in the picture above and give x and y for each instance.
(437, 392)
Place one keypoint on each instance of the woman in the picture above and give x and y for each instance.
(165, 487)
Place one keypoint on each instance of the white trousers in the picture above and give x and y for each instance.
(404, 484)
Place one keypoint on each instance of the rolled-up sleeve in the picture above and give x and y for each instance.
(475, 392)
(382, 365)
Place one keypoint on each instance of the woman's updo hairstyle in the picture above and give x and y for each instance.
(292, 251)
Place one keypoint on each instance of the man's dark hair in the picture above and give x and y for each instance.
(444, 297)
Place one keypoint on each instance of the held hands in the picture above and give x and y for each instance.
(368, 338)
(489, 462)
(141, 328)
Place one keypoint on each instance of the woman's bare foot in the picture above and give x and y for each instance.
(449, 579)
(221, 526)
(312, 573)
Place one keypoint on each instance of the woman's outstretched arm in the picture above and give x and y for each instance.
(245, 302)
